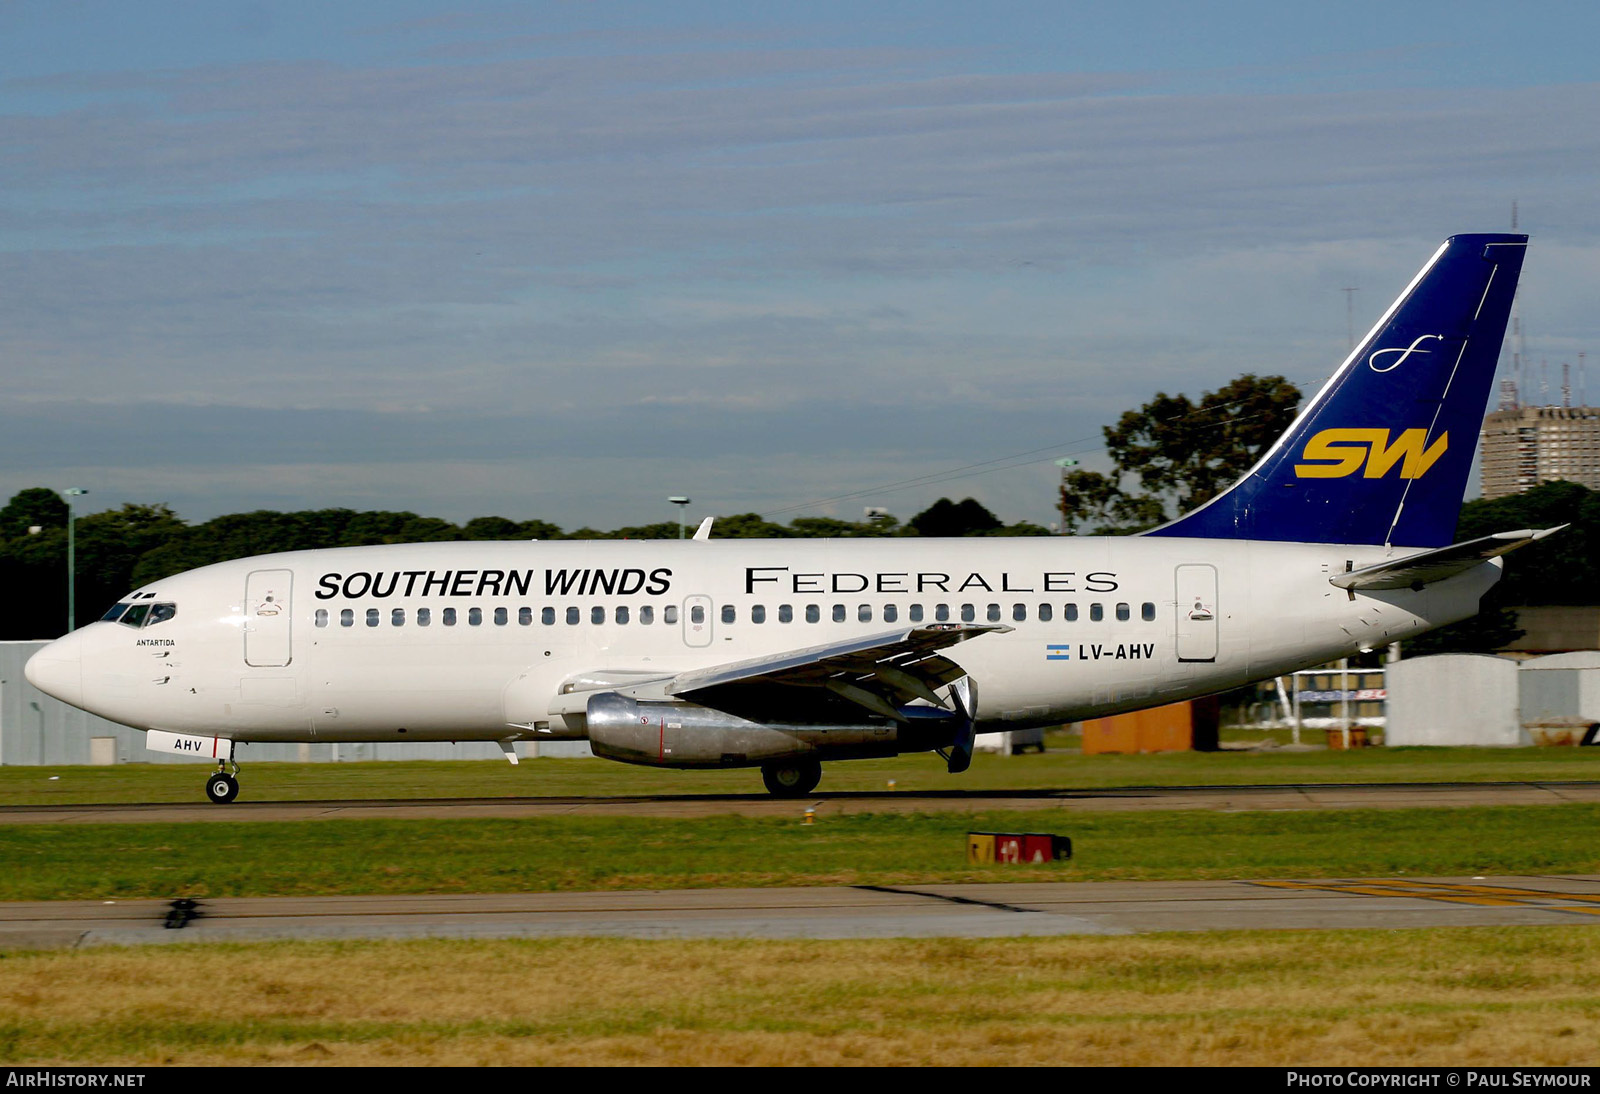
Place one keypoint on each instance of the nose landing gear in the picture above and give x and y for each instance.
(223, 787)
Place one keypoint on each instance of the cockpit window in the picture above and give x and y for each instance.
(140, 615)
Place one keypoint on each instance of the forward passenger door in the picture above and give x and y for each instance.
(267, 617)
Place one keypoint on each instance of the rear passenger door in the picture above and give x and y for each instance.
(1197, 612)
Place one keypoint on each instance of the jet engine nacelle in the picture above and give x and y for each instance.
(671, 734)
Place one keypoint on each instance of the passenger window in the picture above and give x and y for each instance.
(813, 613)
(1044, 613)
(785, 613)
(890, 613)
(838, 613)
(1070, 613)
(621, 615)
(397, 618)
(524, 617)
(697, 615)
(1147, 612)
(135, 616)
(448, 617)
(968, 613)
(994, 613)
(1097, 612)
(941, 613)
(916, 613)
(669, 614)
(424, 617)
(597, 615)
(347, 618)
(474, 617)
(547, 616)
(113, 612)
(501, 617)
(572, 617)
(729, 613)
(758, 613)
(372, 617)
(160, 613)
(1123, 614)
(322, 617)
(647, 615)
(864, 613)
(1019, 613)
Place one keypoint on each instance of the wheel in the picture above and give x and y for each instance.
(222, 788)
(792, 779)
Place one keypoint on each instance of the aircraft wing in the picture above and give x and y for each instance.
(876, 673)
(1415, 571)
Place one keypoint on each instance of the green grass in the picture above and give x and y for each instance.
(126, 861)
(922, 772)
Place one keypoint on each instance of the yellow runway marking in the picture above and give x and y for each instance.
(1492, 896)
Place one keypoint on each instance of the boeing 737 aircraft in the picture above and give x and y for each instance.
(779, 654)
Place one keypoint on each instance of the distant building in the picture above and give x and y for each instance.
(1525, 446)
(1474, 699)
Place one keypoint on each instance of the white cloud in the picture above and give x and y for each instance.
(716, 244)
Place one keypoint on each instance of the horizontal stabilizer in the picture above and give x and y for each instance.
(1415, 571)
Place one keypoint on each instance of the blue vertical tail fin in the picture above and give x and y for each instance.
(1382, 453)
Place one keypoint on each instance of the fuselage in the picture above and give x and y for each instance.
(480, 640)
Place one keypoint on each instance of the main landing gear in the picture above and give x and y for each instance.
(791, 778)
(223, 787)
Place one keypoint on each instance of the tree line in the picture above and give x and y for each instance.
(1169, 456)
(121, 549)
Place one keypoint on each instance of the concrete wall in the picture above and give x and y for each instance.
(36, 729)
(1454, 699)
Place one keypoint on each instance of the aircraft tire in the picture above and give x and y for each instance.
(792, 779)
(222, 788)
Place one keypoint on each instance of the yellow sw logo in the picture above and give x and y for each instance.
(1347, 449)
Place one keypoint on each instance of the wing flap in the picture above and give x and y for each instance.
(876, 673)
(1439, 564)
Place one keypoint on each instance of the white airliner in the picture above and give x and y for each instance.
(779, 654)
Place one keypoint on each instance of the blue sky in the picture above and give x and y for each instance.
(563, 260)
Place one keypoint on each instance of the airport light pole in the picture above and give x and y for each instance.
(681, 503)
(72, 557)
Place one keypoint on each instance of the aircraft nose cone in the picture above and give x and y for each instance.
(57, 670)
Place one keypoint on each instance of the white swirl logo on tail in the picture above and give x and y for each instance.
(1372, 360)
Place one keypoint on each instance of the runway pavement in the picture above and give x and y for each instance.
(1223, 798)
(1009, 909)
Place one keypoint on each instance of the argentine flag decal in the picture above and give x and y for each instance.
(1058, 653)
